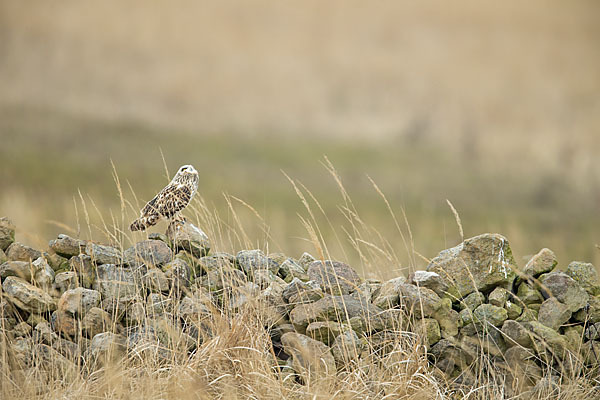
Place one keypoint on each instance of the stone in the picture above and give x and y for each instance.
(250, 260)
(26, 296)
(545, 337)
(592, 332)
(488, 341)
(513, 310)
(419, 301)
(447, 356)
(553, 313)
(334, 277)
(472, 301)
(466, 316)
(527, 315)
(544, 261)
(76, 302)
(195, 307)
(86, 271)
(155, 281)
(311, 359)
(389, 293)
(305, 260)
(297, 287)
(179, 274)
(290, 269)
(22, 329)
(101, 254)
(20, 252)
(590, 313)
(429, 280)
(107, 348)
(158, 304)
(65, 323)
(429, 330)
(3, 257)
(478, 264)
(7, 233)
(147, 344)
(489, 314)
(516, 334)
(529, 295)
(565, 289)
(498, 297)
(347, 347)
(186, 236)
(340, 309)
(586, 275)
(53, 363)
(67, 247)
(325, 331)
(215, 262)
(149, 253)
(20, 269)
(43, 274)
(96, 321)
(449, 320)
(43, 333)
(218, 280)
(264, 277)
(115, 284)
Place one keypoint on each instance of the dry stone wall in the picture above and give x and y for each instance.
(85, 303)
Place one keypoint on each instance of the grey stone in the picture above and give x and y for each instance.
(334, 277)
(429, 329)
(479, 263)
(101, 254)
(553, 313)
(20, 252)
(498, 297)
(516, 334)
(290, 269)
(155, 281)
(43, 274)
(157, 304)
(310, 358)
(305, 260)
(7, 233)
(544, 261)
(565, 289)
(325, 331)
(66, 246)
(86, 271)
(592, 332)
(188, 237)
(20, 269)
(529, 295)
(26, 296)
(389, 293)
(115, 284)
(487, 313)
(77, 302)
(347, 347)
(96, 321)
(419, 301)
(586, 275)
(179, 274)
(250, 260)
(107, 348)
(149, 253)
(340, 309)
(430, 280)
(472, 301)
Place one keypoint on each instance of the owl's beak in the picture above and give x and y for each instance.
(191, 170)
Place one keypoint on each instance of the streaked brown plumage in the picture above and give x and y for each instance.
(169, 201)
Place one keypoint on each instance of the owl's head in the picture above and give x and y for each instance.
(185, 171)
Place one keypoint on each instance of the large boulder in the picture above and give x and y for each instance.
(479, 263)
(7, 233)
(186, 236)
(26, 296)
(336, 278)
(149, 253)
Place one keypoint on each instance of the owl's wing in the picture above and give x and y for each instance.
(171, 200)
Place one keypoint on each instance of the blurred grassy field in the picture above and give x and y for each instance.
(49, 157)
(493, 107)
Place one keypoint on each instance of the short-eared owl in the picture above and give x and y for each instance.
(169, 201)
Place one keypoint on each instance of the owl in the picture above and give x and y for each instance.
(169, 201)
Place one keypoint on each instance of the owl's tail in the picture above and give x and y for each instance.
(138, 225)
